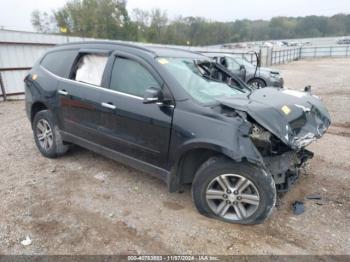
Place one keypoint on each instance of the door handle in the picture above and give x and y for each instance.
(109, 106)
(63, 92)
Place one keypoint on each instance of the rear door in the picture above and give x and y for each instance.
(139, 130)
(80, 105)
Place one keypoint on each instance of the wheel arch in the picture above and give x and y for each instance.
(190, 159)
(36, 108)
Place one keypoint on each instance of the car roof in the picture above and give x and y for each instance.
(176, 52)
(155, 51)
(220, 54)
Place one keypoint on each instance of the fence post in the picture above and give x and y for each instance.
(2, 88)
(279, 57)
(266, 56)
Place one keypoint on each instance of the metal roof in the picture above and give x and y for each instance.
(10, 36)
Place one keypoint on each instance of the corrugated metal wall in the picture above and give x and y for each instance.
(18, 53)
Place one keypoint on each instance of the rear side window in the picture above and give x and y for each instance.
(60, 62)
(90, 68)
(131, 77)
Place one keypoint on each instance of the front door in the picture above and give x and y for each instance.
(139, 130)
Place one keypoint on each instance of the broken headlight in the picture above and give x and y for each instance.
(265, 142)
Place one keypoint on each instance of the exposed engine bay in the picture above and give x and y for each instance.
(283, 163)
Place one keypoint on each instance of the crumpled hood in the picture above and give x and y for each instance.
(297, 118)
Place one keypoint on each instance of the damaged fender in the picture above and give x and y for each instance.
(296, 118)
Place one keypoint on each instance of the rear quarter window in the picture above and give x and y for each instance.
(60, 62)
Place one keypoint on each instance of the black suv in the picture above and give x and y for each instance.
(177, 115)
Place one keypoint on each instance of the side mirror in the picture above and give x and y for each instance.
(241, 67)
(152, 95)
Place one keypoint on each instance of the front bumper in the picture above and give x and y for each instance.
(277, 82)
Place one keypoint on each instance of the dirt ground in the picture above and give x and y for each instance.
(84, 203)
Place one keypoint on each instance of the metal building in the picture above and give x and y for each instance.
(18, 52)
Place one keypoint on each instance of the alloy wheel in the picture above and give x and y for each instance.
(44, 134)
(232, 197)
(256, 85)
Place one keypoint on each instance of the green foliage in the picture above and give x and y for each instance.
(110, 19)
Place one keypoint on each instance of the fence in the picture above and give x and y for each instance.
(285, 55)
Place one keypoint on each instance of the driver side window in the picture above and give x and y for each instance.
(130, 77)
(232, 64)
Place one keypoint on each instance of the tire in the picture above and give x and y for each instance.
(257, 83)
(261, 191)
(52, 146)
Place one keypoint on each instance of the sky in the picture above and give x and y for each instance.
(15, 14)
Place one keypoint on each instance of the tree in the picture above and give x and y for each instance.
(157, 28)
(110, 19)
(43, 22)
(95, 18)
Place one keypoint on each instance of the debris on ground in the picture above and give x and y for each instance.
(314, 197)
(26, 242)
(101, 177)
(319, 203)
(298, 207)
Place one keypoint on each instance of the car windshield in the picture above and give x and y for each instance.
(195, 80)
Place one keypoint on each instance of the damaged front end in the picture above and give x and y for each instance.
(283, 163)
(283, 123)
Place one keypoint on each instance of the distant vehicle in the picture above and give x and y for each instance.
(293, 44)
(307, 43)
(255, 76)
(345, 41)
(268, 44)
(280, 44)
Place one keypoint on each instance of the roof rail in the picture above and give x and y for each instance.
(105, 42)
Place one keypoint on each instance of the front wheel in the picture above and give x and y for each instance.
(257, 83)
(233, 192)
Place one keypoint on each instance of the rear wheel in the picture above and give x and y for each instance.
(257, 83)
(47, 136)
(233, 192)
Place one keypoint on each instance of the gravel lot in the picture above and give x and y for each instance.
(84, 203)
